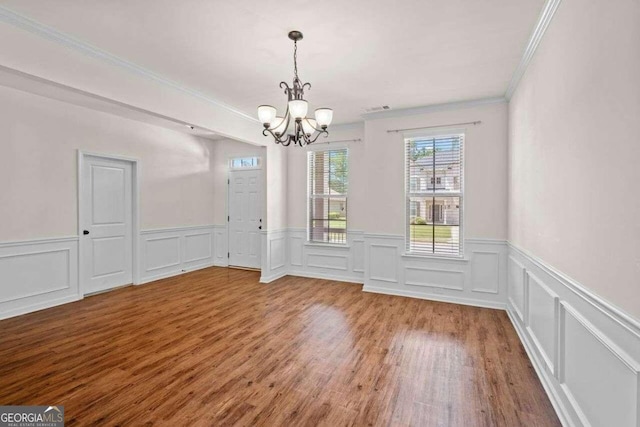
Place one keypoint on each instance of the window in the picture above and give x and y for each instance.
(245, 163)
(434, 212)
(327, 184)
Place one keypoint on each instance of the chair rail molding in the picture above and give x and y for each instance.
(575, 339)
(38, 274)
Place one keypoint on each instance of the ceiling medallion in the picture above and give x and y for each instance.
(295, 126)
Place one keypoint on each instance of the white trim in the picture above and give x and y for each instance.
(39, 306)
(50, 270)
(383, 236)
(173, 273)
(435, 257)
(273, 277)
(595, 300)
(481, 241)
(178, 229)
(38, 241)
(325, 276)
(434, 285)
(135, 207)
(440, 298)
(10, 17)
(554, 397)
(315, 244)
(434, 107)
(538, 32)
(604, 324)
(32, 294)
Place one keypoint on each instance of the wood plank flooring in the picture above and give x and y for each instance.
(215, 347)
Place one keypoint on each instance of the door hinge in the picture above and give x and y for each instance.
(228, 181)
(228, 218)
(228, 255)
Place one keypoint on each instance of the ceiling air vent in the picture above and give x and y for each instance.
(376, 109)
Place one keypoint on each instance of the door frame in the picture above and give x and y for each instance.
(263, 191)
(135, 214)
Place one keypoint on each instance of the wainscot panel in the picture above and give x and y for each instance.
(38, 274)
(478, 278)
(221, 246)
(585, 350)
(326, 261)
(274, 255)
(171, 251)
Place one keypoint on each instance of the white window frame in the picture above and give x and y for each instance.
(408, 193)
(310, 152)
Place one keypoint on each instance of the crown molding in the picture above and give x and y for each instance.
(539, 30)
(27, 24)
(433, 108)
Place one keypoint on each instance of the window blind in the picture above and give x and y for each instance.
(327, 190)
(434, 194)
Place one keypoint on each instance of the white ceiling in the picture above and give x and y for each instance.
(357, 54)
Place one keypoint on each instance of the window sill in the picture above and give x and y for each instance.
(327, 245)
(454, 258)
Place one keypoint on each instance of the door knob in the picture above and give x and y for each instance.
(260, 227)
(85, 232)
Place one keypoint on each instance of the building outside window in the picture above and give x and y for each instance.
(327, 201)
(434, 219)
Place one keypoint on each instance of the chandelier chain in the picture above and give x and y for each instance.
(295, 58)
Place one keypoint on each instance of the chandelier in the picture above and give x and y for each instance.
(295, 126)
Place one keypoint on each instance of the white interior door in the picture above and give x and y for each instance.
(245, 217)
(107, 216)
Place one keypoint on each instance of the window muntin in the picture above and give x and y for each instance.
(327, 190)
(434, 211)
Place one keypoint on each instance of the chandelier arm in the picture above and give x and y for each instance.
(306, 138)
(287, 141)
(278, 139)
(322, 132)
(286, 88)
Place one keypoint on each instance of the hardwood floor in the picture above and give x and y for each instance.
(215, 347)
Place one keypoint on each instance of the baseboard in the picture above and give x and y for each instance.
(40, 306)
(173, 274)
(544, 378)
(435, 297)
(273, 277)
(324, 276)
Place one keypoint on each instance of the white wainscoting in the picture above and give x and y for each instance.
(221, 246)
(326, 261)
(274, 255)
(479, 278)
(171, 251)
(586, 352)
(38, 274)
